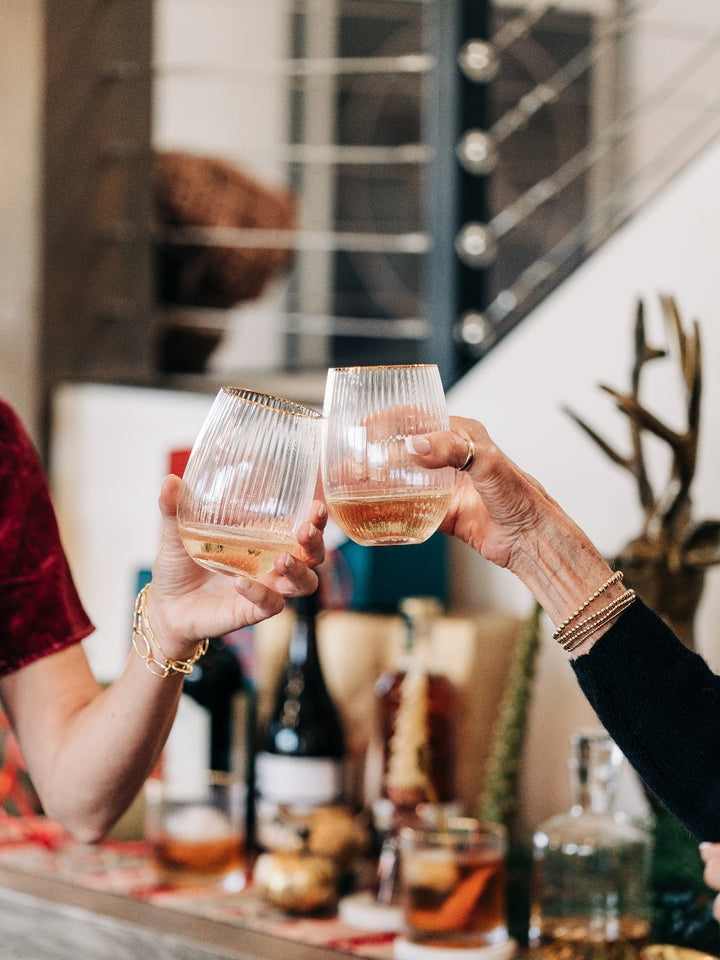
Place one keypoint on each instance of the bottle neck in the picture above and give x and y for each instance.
(595, 766)
(303, 639)
(419, 615)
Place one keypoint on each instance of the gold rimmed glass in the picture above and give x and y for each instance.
(249, 482)
(375, 491)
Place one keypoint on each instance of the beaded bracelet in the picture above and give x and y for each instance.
(590, 624)
(146, 644)
(615, 578)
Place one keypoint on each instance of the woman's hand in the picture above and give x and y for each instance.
(710, 855)
(494, 503)
(186, 602)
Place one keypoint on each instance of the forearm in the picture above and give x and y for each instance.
(562, 568)
(90, 750)
(111, 747)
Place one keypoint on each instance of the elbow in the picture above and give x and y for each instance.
(85, 832)
(84, 826)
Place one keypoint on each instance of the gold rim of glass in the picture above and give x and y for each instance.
(257, 398)
(383, 366)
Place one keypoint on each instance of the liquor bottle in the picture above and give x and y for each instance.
(591, 865)
(299, 763)
(418, 704)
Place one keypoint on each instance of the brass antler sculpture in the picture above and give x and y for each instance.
(666, 563)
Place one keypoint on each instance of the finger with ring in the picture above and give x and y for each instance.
(469, 458)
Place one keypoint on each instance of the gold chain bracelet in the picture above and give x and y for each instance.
(149, 650)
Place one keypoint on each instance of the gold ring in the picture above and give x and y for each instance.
(469, 458)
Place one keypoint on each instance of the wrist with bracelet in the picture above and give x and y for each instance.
(577, 628)
(147, 647)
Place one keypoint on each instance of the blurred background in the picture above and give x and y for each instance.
(198, 192)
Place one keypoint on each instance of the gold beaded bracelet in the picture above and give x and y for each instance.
(615, 578)
(581, 631)
(147, 647)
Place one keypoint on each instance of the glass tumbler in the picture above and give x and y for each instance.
(249, 482)
(375, 491)
(453, 884)
(195, 827)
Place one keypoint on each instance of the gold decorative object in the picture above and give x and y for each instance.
(296, 881)
(666, 562)
(668, 951)
(336, 833)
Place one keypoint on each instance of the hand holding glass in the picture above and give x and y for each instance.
(249, 482)
(374, 490)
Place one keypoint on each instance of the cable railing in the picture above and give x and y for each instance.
(644, 165)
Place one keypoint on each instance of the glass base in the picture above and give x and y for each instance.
(363, 911)
(407, 950)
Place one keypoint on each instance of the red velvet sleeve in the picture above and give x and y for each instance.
(40, 611)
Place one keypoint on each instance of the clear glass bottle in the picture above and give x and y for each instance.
(590, 898)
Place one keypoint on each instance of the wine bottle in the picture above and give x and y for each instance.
(300, 758)
(214, 684)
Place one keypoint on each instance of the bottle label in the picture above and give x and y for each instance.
(305, 781)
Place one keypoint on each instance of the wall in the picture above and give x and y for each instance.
(216, 95)
(109, 455)
(20, 97)
(580, 337)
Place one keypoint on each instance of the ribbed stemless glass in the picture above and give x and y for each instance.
(374, 490)
(249, 482)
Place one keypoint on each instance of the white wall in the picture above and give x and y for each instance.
(218, 93)
(580, 337)
(109, 455)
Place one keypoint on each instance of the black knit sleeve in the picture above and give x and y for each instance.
(660, 702)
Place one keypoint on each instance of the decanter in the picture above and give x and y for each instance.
(591, 866)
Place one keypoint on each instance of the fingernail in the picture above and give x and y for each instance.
(313, 531)
(243, 582)
(322, 511)
(415, 444)
(289, 561)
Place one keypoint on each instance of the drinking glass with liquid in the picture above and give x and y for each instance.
(453, 885)
(249, 482)
(375, 491)
(196, 828)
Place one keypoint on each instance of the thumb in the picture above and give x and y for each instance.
(168, 499)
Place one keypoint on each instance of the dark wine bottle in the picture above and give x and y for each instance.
(300, 757)
(214, 684)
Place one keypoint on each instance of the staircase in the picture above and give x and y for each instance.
(616, 107)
